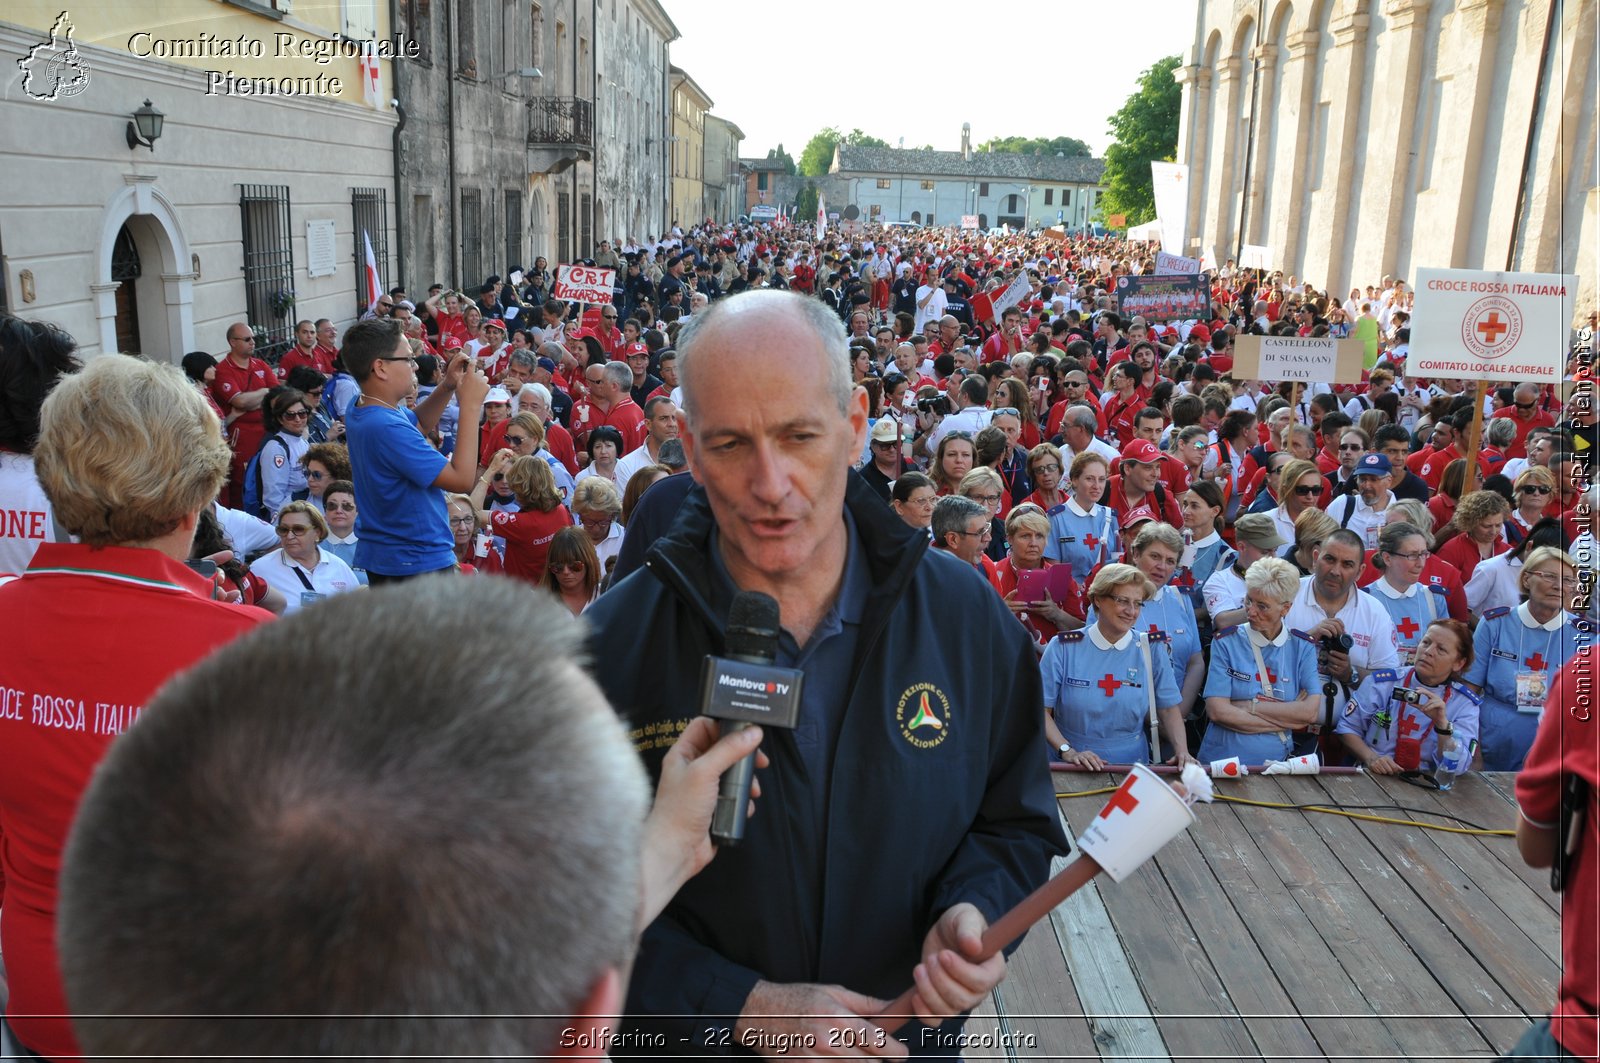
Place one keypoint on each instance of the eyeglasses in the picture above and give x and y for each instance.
(985, 533)
(596, 523)
(885, 444)
(341, 507)
(316, 474)
(1012, 410)
(515, 441)
(385, 306)
(608, 317)
(959, 435)
(1076, 383)
(1126, 603)
(296, 415)
(466, 521)
(569, 566)
(594, 379)
(1418, 556)
(1550, 579)
(294, 531)
(986, 500)
(1350, 446)
(1534, 489)
(1308, 492)
(407, 358)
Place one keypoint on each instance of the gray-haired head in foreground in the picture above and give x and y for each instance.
(813, 313)
(444, 833)
(953, 513)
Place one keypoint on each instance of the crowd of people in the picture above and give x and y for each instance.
(1151, 558)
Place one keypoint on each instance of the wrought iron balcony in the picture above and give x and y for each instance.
(561, 120)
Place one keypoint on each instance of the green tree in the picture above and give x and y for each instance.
(818, 153)
(805, 203)
(1145, 131)
(782, 156)
(1071, 147)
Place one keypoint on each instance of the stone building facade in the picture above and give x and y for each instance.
(1396, 135)
(724, 180)
(689, 107)
(633, 112)
(235, 213)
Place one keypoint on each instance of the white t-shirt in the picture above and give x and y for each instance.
(1365, 620)
(331, 576)
(26, 519)
(971, 420)
(933, 309)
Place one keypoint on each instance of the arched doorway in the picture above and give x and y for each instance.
(144, 275)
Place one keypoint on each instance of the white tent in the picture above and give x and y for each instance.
(1150, 230)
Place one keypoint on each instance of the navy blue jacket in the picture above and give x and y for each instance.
(919, 819)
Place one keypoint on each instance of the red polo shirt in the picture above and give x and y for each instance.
(320, 359)
(626, 417)
(1118, 501)
(232, 381)
(106, 628)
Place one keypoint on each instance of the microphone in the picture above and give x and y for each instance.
(745, 688)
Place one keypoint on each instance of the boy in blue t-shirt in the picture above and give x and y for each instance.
(402, 523)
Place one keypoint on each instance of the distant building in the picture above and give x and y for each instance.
(689, 106)
(634, 113)
(765, 182)
(1392, 137)
(724, 181)
(940, 187)
(251, 204)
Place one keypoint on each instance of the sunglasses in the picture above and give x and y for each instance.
(1534, 489)
(294, 531)
(341, 507)
(1350, 446)
(1308, 492)
(296, 415)
(515, 441)
(569, 566)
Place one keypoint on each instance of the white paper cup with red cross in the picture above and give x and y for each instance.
(1142, 816)
(1232, 768)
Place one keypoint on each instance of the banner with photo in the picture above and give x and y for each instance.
(1175, 298)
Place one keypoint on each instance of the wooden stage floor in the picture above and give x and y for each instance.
(1271, 934)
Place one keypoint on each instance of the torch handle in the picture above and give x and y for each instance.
(1008, 928)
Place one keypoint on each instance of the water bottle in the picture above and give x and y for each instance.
(1449, 762)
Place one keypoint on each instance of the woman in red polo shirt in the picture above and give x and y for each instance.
(128, 454)
(540, 515)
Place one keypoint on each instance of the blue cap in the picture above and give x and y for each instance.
(1373, 465)
(547, 364)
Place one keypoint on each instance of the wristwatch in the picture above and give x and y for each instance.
(1064, 748)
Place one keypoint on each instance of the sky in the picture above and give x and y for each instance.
(781, 71)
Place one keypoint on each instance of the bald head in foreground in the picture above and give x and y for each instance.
(438, 828)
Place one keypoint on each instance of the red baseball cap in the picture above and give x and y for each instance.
(1200, 333)
(631, 349)
(1141, 450)
(495, 322)
(583, 334)
(1138, 514)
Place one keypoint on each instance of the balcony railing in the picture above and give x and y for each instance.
(560, 120)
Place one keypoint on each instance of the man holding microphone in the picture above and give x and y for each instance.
(903, 756)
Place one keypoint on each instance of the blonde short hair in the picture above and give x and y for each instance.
(1110, 577)
(1156, 532)
(1538, 557)
(127, 450)
(1030, 517)
(310, 512)
(596, 494)
(1274, 577)
(982, 476)
(533, 484)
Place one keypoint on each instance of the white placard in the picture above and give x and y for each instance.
(1175, 265)
(1485, 325)
(584, 284)
(1015, 292)
(320, 258)
(1312, 359)
(969, 221)
(1255, 256)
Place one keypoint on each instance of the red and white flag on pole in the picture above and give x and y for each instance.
(822, 217)
(374, 282)
(369, 75)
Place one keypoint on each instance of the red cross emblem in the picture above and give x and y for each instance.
(1271, 677)
(1536, 662)
(1407, 627)
(1408, 725)
(1091, 541)
(1109, 684)
(1491, 328)
(1122, 799)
